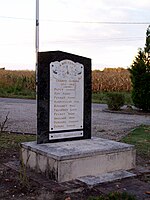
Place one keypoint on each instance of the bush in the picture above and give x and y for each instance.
(115, 100)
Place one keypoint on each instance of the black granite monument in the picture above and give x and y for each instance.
(63, 97)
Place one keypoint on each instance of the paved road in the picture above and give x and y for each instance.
(22, 118)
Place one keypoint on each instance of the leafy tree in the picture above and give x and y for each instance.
(140, 76)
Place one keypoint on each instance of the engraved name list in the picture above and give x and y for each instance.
(66, 99)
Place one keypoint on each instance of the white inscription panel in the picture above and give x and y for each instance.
(66, 96)
(65, 135)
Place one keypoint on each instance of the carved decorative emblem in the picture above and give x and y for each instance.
(66, 69)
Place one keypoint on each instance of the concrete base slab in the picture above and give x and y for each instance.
(107, 177)
(69, 160)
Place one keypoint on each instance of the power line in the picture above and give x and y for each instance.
(99, 22)
(80, 40)
(80, 22)
(16, 18)
(132, 39)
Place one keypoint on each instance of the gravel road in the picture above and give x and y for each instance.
(22, 118)
(113, 125)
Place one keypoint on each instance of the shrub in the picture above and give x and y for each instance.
(115, 100)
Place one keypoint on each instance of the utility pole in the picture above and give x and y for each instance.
(37, 39)
(37, 49)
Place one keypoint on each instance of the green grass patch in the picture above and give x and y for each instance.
(11, 93)
(101, 97)
(140, 137)
(11, 140)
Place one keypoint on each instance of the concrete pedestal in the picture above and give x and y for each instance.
(69, 160)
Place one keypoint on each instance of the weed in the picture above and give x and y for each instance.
(114, 196)
(23, 173)
(3, 125)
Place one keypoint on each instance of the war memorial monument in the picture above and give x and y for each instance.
(64, 149)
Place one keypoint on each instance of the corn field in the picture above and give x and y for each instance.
(17, 82)
(109, 80)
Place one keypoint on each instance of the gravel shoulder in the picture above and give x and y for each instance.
(114, 125)
(22, 118)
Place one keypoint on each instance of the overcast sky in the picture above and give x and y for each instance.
(88, 28)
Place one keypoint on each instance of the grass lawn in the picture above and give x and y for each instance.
(11, 140)
(100, 97)
(140, 137)
(23, 94)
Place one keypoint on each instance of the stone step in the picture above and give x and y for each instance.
(107, 177)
